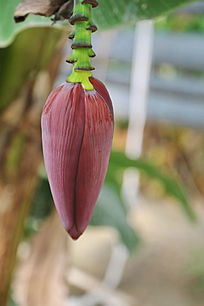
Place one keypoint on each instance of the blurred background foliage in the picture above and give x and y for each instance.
(181, 23)
(29, 62)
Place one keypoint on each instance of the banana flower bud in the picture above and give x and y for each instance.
(77, 130)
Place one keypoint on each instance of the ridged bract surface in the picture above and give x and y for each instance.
(77, 131)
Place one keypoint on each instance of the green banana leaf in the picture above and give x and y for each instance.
(108, 14)
(15, 68)
(111, 13)
(8, 27)
(119, 162)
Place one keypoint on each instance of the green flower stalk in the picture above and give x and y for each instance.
(81, 47)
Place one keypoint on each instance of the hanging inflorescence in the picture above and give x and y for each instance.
(77, 130)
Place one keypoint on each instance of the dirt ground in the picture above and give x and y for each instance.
(168, 267)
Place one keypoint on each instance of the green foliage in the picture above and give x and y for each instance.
(110, 13)
(23, 59)
(182, 23)
(42, 202)
(41, 207)
(8, 28)
(11, 301)
(119, 162)
(109, 212)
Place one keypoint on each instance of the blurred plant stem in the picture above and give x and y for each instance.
(28, 69)
(39, 280)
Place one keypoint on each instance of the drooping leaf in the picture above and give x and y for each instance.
(119, 161)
